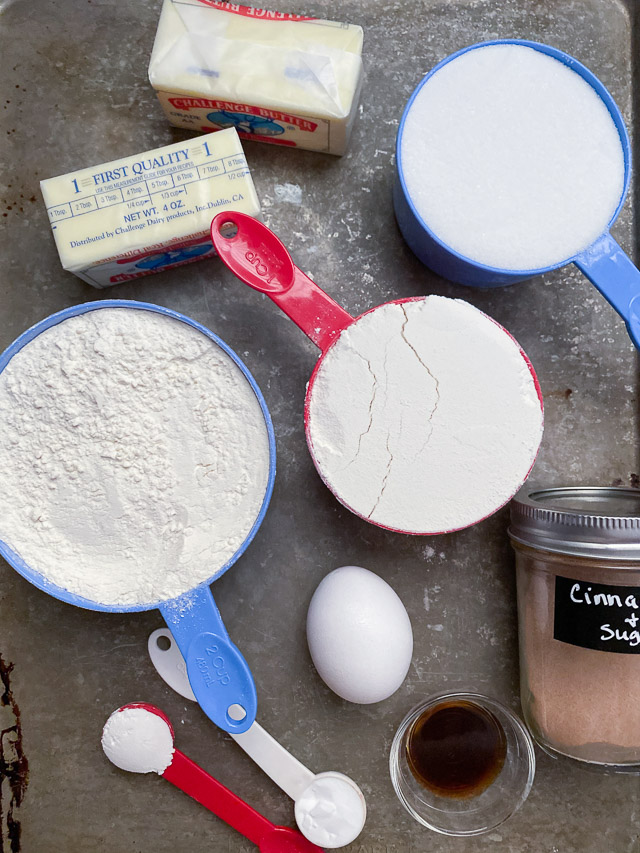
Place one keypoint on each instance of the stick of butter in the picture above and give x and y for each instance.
(149, 212)
(274, 76)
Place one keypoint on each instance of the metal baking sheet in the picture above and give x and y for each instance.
(75, 93)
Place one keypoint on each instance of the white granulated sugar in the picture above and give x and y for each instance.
(424, 416)
(138, 740)
(134, 457)
(331, 811)
(511, 158)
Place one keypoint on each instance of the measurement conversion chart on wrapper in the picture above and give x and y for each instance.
(148, 212)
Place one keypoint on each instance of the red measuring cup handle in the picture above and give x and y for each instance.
(254, 254)
(194, 781)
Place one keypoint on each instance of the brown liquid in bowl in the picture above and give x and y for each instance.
(456, 749)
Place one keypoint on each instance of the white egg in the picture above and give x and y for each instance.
(359, 635)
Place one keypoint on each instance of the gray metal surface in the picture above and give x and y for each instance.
(75, 93)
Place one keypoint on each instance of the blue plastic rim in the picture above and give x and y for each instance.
(438, 255)
(39, 580)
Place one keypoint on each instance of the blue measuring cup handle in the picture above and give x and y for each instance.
(617, 278)
(219, 675)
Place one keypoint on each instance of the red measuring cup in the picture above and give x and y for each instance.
(258, 258)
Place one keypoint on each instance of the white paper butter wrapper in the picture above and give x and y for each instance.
(275, 77)
(149, 212)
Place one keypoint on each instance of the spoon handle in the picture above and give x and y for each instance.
(258, 258)
(277, 762)
(198, 784)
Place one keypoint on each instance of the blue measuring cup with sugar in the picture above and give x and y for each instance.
(603, 261)
(219, 675)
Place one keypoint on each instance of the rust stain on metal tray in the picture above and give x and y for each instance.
(14, 768)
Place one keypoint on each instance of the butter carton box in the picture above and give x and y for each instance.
(149, 212)
(274, 76)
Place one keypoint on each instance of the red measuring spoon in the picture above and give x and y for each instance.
(258, 258)
(213, 795)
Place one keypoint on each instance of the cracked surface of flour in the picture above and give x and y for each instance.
(424, 416)
(135, 456)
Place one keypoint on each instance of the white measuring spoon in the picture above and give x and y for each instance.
(330, 808)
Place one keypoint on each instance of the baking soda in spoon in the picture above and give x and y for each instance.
(511, 158)
(134, 456)
(424, 415)
(138, 740)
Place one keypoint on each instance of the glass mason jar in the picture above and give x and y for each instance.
(578, 578)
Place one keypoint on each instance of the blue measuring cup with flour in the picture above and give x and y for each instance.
(512, 160)
(218, 673)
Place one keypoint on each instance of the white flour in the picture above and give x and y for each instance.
(511, 158)
(424, 416)
(138, 740)
(134, 456)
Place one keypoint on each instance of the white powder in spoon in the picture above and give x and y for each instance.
(134, 457)
(138, 740)
(331, 811)
(511, 158)
(424, 416)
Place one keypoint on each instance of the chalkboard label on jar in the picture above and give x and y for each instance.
(597, 616)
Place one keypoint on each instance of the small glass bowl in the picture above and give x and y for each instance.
(491, 807)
